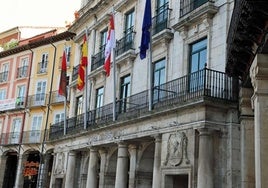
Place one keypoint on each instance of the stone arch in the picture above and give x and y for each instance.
(144, 172)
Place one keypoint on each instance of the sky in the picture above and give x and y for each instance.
(36, 13)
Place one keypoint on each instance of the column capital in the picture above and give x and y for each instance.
(204, 131)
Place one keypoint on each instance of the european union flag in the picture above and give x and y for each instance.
(146, 25)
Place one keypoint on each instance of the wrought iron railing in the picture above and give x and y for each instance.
(160, 21)
(39, 99)
(22, 72)
(126, 43)
(56, 98)
(187, 6)
(204, 83)
(98, 59)
(10, 138)
(31, 137)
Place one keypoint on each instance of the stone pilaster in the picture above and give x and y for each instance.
(157, 162)
(69, 179)
(122, 166)
(247, 139)
(205, 160)
(132, 165)
(92, 181)
(259, 80)
(103, 158)
(19, 175)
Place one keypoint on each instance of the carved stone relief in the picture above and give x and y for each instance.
(60, 164)
(177, 149)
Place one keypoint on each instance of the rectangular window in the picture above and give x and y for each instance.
(15, 132)
(103, 39)
(21, 90)
(43, 63)
(79, 105)
(99, 101)
(40, 93)
(4, 72)
(2, 94)
(59, 117)
(23, 68)
(129, 25)
(159, 78)
(68, 55)
(35, 132)
(198, 59)
(124, 93)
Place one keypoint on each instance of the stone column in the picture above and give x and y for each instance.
(92, 181)
(69, 179)
(205, 160)
(157, 163)
(2, 168)
(121, 178)
(132, 165)
(259, 79)
(103, 155)
(247, 139)
(19, 175)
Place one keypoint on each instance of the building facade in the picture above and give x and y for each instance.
(169, 120)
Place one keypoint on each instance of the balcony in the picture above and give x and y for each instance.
(12, 104)
(32, 137)
(98, 59)
(10, 138)
(193, 10)
(68, 58)
(56, 98)
(3, 76)
(37, 100)
(22, 72)
(42, 67)
(205, 84)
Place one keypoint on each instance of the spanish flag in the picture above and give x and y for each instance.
(83, 66)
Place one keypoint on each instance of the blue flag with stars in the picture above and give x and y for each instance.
(146, 25)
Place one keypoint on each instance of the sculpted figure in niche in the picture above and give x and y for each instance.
(60, 163)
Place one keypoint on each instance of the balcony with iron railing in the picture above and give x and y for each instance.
(42, 67)
(56, 98)
(32, 137)
(11, 138)
(205, 84)
(126, 43)
(22, 72)
(3, 76)
(37, 100)
(98, 59)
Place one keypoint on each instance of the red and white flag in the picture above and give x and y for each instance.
(110, 45)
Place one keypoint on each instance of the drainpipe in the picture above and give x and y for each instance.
(41, 167)
(18, 175)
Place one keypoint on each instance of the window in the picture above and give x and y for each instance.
(68, 55)
(2, 94)
(103, 38)
(99, 101)
(40, 93)
(43, 63)
(79, 105)
(4, 72)
(20, 95)
(130, 18)
(59, 117)
(124, 93)
(198, 59)
(23, 68)
(15, 132)
(159, 78)
(161, 16)
(36, 128)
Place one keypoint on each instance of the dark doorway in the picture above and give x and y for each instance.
(180, 181)
(10, 171)
(30, 171)
(58, 183)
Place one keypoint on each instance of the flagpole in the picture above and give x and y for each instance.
(85, 94)
(150, 98)
(65, 114)
(114, 85)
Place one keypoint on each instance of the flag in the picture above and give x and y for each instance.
(63, 76)
(83, 66)
(110, 45)
(146, 25)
